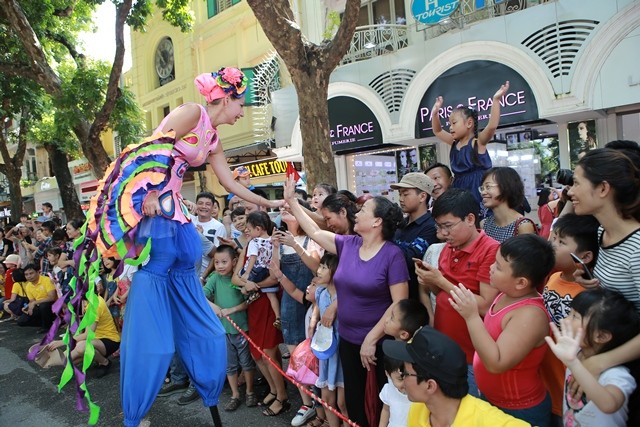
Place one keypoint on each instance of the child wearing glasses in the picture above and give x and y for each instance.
(510, 341)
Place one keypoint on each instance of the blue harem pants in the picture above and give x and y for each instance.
(167, 312)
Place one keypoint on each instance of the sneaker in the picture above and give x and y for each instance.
(191, 395)
(304, 414)
(171, 388)
(103, 370)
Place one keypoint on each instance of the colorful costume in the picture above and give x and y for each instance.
(166, 301)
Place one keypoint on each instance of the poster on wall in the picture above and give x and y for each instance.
(407, 161)
(428, 156)
(582, 138)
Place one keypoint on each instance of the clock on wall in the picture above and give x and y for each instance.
(164, 61)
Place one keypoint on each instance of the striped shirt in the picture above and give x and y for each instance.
(618, 266)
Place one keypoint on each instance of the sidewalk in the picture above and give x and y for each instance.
(30, 397)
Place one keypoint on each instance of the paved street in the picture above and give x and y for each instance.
(29, 396)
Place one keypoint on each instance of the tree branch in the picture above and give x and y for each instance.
(78, 57)
(335, 50)
(44, 74)
(277, 22)
(18, 70)
(113, 90)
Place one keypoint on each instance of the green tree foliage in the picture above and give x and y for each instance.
(40, 43)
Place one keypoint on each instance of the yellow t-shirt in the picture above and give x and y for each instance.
(105, 326)
(40, 289)
(20, 291)
(472, 412)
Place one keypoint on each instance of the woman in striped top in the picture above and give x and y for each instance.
(607, 186)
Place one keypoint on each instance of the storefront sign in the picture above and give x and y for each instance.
(473, 84)
(266, 168)
(81, 171)
(352, 125)
(431, 12)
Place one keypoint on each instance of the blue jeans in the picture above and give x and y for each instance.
(292, 313)
(539, 415)
(471, 379)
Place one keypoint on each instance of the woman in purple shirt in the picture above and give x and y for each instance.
(371, 276)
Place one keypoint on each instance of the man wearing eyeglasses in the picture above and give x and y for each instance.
(435, 379)
(466, 257)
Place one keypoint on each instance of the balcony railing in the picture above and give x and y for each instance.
(374, 40)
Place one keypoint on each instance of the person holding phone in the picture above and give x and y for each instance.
(466, 257)
(571, 235)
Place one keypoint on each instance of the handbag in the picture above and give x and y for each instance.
(46, 359)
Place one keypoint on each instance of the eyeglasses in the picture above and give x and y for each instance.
(486, 187)
(403, 375)
(447, 228)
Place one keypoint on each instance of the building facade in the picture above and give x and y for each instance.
(573, 67)
(165, 62)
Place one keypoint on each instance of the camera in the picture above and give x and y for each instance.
(565, 177)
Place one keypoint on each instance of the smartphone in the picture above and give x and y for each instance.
(587, 274)
(419, 263)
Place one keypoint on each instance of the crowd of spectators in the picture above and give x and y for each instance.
(436, 315)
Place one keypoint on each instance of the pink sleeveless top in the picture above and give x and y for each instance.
(520, 387)
(192, 150)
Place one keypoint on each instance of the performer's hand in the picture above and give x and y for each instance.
(276, 204)
(151, 204)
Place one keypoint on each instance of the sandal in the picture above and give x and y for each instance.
(284, 406)
(252, 400)
(267, 403)
(233, 404)
(277, 324)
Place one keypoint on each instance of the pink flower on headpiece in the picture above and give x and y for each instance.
(232, 75)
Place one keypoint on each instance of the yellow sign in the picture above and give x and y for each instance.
(269, 167)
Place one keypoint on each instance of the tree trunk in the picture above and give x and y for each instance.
(310, 66)
(314, 127)
(15, 190)
(60, 169)
(202, 178)
(92, 148)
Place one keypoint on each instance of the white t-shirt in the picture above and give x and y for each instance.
(588, 415)
(211, 229)
(311, 246)
(399, 405)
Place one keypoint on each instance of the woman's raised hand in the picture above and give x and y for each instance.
(289, 189)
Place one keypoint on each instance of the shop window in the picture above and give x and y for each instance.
(214, 7)
(380, 12)
(30, 170)
(629, 126)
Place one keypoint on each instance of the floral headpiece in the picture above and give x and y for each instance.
(225, 82)
(231, 80)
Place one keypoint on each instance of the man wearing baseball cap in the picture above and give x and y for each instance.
(435, 379)
(419, 230)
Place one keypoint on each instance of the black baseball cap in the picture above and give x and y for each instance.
(433, 354)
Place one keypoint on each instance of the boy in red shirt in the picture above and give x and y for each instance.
(510, 341)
